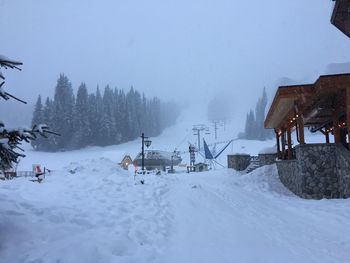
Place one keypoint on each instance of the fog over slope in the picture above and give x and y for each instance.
(187, 50)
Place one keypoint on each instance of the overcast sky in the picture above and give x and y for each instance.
(172, 49)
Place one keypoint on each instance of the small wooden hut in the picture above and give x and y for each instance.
(126, 161)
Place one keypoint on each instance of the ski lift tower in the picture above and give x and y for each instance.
(217, 124)
(197, 129)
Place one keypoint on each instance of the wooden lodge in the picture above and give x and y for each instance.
(322, 107)
(313, 170)
(341, 16)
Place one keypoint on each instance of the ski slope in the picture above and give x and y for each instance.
(89, 210)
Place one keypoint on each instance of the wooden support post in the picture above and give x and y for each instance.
(289, 138)
(283, 143)
(278, 145)
(326, 134)
(347, 103)
(336, 129)
(300, 120)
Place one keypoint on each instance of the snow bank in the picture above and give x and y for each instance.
(268, 150)
(98, 213)
(263, 180)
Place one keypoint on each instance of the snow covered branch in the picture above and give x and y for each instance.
(11, 139)
(6, 96)
(9, 63)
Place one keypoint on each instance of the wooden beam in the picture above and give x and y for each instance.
(326, 134)
(289, 138)
(292, 93)
(300, 121)
(336, 128)
(278, 144)
(283, 143)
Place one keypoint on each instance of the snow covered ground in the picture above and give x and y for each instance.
(89, 210)
(101, 214)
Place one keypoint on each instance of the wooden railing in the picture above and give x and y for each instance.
(25, 173)
(12, 174)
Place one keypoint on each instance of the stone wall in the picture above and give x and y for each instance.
(288, 173)
(343, 170)
(319, 171)
(267, 158)
(239, 162)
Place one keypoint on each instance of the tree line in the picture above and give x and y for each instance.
(254, 125)
(100, 118)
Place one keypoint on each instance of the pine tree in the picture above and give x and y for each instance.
(63, 112)
(250, 131)
(81, 122)
(133, 119)
(254, 126)
(260, 116)
(124, 117)
(92, 116)
(117, 116)
(108, 118)
(50, 143)
(38, 117)
(99, 129)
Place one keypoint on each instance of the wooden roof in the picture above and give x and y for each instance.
(317, 101)
(341, 16)
(284, 102)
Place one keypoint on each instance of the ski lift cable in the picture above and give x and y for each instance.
(223, 149)
(218, 163)
(214, 160)
(188, 134)
(222, 142)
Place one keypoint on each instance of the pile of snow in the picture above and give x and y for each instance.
(97, 214)
(268, 150)
(263, 180)
(94, 166)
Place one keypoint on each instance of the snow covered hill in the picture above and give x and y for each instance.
(89, 210)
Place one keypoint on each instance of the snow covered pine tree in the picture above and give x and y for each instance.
(10, 139)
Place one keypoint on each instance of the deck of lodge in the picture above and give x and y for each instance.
(313, 170)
